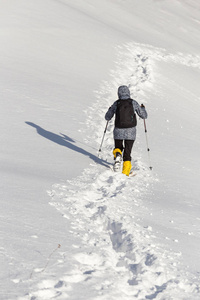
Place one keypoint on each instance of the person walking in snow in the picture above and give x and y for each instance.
(125, 127)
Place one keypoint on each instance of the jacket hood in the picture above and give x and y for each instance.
(123, 92)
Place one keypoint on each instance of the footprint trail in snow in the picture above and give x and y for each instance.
(115, 258)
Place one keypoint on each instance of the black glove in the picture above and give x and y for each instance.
(142, 105)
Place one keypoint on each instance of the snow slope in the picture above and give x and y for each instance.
(115, 237)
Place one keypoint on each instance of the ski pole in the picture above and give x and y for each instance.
(103, 137)
(145, 129)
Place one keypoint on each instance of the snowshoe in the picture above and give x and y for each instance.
(118, 163)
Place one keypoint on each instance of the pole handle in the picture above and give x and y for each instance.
(145, 127)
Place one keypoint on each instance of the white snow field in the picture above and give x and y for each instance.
(70, 227)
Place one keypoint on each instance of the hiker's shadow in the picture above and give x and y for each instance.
(64, 140)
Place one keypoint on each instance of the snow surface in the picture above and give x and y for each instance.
(70, 227)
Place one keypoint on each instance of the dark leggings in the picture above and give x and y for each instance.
(127, 147)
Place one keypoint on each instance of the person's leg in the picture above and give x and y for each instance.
(118, 148)
(127, 150)
(127, 157)
(119, 145)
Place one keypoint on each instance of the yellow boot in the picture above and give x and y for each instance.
(126, 167)
(115, 151)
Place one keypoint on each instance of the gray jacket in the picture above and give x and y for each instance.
(125, 133)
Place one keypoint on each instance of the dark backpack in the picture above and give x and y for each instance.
(125, 115)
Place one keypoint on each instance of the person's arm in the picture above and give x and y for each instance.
(111, 111)
(140, 110)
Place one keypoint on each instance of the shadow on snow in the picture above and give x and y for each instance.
(64, 140)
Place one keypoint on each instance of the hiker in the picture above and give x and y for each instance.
(125, 127)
